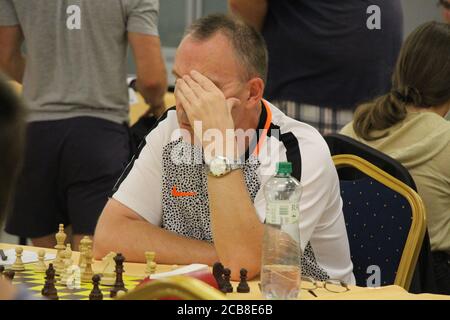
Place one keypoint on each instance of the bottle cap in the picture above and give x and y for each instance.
(284, 168)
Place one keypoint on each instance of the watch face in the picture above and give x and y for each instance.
(218, 166)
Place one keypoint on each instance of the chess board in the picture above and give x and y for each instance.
(34, 281)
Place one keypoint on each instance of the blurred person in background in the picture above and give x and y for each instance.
(408, 124)
(74, 85)
(12, 136)
(326, 56)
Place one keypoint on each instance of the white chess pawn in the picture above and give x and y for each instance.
(68, 251)
(151, 265)
(87, 273)
(74, 279)
(40, 265)
(18, 264)
(82, 247)
(66, 255)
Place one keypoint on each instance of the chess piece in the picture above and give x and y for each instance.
(40, 267)
(152, 268)
(18, 264)
(49, 289)
(218, 275)
(87, 273)
(2, 269)
(120, 293)
(60, 247)
(68, 262)
(47, 279)
(84, 243)
(118, 285)
(108, 277)
(69, 251)
(243, 285)
(63, 275)
(228, 288)
(74, 277)
(151, 265)
(96, 293)
(9, 275)
(3, 255)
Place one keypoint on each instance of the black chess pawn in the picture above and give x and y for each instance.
(3, 256)
(119, 259)
(243, 285)
(49, 289)
(96, 293)
(217, 271)
(47, 280)
(226, 277)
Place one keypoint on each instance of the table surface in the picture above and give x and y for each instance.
(355, 293)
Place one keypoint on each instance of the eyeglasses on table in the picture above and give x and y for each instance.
(331, 285)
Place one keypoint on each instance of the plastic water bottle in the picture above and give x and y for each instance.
(281, 251)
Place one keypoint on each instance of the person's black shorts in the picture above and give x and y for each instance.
(69, 169)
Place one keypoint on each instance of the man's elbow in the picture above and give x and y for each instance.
(233, 6)
(250, 262)
(244, 9)
(103, 242)
(101, 247)
(156, 86)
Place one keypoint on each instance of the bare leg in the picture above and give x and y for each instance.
(44, 242)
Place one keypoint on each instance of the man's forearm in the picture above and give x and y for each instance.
(153, 96)
(151, 70)
(12, 62)
(253, 12)
(14, 67)
(236, 228)
(134, 237)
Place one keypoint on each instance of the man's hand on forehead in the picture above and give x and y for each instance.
(206, 83)
(205, 104)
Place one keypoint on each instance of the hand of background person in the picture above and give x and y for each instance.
(157, 110)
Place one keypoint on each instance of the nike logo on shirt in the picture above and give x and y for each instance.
(177, 193)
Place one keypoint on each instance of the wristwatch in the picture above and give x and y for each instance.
(221, 166)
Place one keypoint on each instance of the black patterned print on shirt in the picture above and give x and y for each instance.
(189, 216)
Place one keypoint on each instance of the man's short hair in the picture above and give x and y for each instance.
(248, 43)
(12, 136)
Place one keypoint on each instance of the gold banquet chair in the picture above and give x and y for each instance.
(385, 222)
(176, 287)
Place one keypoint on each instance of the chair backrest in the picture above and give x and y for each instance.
(385, 222)
(340, 144)
(176, 287)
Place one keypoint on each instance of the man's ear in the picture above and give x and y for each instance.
(256, 90)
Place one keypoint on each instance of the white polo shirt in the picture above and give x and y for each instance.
(166, 184)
